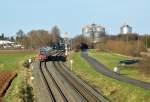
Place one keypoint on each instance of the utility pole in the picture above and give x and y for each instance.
(127, 38)
(71, 44)
(138, 43)
(31, 43)
(93, 34)
(146, 42)
(66, 47)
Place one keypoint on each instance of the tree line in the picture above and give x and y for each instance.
(129, 44)
(3, 37)
(38, 38)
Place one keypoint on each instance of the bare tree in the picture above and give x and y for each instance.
(55, 34)
(20, 34)
(39, 38)
(76, 42)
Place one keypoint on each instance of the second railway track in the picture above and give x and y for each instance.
(55, 92)
(88, 93)
(64, 86)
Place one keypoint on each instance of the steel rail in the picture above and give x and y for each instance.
(47, 85)
(60, 97)
(77, 86)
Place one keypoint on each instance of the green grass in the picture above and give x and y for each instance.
(12, 61)
(110, 60)
(114, 90)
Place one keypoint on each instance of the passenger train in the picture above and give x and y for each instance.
(45, 56)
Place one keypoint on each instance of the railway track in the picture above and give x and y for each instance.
(89, 94)
(54, 90)
(46, 82)
(61, 85)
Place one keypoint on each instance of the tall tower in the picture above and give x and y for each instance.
(94, 32)
(126, 29)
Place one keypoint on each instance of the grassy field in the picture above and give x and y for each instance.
(114, 90)
(110, 60)
(12, 61)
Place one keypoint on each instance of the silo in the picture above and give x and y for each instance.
(99, 34)
(86, 31)
(93, 32)
(126, 29)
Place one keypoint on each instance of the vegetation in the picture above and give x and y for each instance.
(55, 34)
(146, 40)
(26, 64)
(144, 66)
(76, 42)
(26, 93)
(9, 60)
(38, 38)
(111, 60)
(127, 44)
(12, 61)
(132, 48)
(114, 90)
(3, 37)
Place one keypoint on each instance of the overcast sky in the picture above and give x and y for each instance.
(70, 15)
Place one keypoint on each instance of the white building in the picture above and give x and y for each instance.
(9, 44)
(126, 29)
(94, 32)
(2, 42)
(6, 44)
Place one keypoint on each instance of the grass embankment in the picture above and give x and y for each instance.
(114, 90)
(12, 61)
(111, 60)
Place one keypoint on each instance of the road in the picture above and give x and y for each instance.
(54, 82)
(102, 69)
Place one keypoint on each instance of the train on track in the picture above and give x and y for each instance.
(55, 53)
(58, 46)
(43, 55)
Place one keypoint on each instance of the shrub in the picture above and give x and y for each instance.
(101, 47)
(130, 48)
(26, 64)
(144, 66)
(26, 93)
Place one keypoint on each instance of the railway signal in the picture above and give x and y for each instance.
(66, 45)
(31, 78)
(66, 49)
(30, 61)
(71, 62)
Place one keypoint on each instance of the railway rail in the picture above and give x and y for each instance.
(55, 83)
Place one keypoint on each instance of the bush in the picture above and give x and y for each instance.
(26, 64)
(130, 48)
(26, 93)
(101, 47)
(144, 66)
